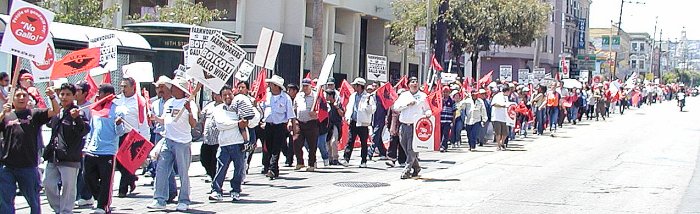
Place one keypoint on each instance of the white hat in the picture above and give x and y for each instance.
(359, 81)
(180, 83)
(276, 80)
(164, 80)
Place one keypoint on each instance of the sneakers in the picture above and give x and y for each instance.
(155, 205)
(326, 162)
(182, 207)
(82, 202)
(390, 163)
(345, 163)
(214, 196)
(405, 175)
(99, 211)
(363, 165)
(270, 174)
(235, 196)
(298, 167)
(311, 169)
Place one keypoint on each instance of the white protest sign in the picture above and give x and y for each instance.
(506, 73)
(27, 32)
(538, 75)
(245, 70)
(108, 53)
(42, 70)
(268, 47)
(424, 134)
(185, 55)
(325, 71)
(140, 71)
(217, 62)
(531, 79)
(198, 38)
(447, 78)
(377, 68)
(583, 76)
(522, 75)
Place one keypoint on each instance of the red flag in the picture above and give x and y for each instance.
(403, 83)
(133, 151)
(102, 107)
(93, 88)
(387, 95)
(107, 79)
(467, 85)
(147, 96)
(76, 62)
(426, 89)
(308, 75)
(435, 64)
(435, 101)
(345, 92)
(486, 79)
(322, 106)
(260, 86)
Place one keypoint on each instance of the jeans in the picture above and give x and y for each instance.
(457, 130)
(322, 146)
(60, 199)
(573, 114)
(445, 134)
(473, 134)
(540, 117)
(173, 153)
(27, 179)
(553, 112)
(225, 155)
(357, 131)
(377, 140)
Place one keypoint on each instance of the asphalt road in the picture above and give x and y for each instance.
(642, 162)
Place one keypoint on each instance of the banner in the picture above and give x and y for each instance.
(377, 68)
(76, 62)
(27, 34)
(268, 47)
(42, 70)
(133, 151)
(108, 53)
(217, 62)
(199, 36)
(506, 73)
(522, 75)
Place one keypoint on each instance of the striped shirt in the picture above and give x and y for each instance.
(448, 110)
(243, 107)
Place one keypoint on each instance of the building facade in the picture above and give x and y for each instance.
(613, 47)
(640, 53)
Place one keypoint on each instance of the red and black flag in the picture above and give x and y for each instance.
(76, 62)
(387, 95)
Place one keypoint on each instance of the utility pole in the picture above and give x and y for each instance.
(653, 47)
(428, 44)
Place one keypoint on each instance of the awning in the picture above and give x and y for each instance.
(77, 36)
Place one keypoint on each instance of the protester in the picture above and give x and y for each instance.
(395, 152)
(4, 83)
(231, 121)
(500, 107)
(81, 100)
(278, 114)
(210, 143)
(136, 118)
(475, 117)
(458, 120)
(176, 150)
(553, 100)
(253, 122)
(307, 117)
(359, 116)
(158, 108)
(378, 124)
(64, 152)
(487, 103)
(447, 116)
(538, 104)
(413, 106)
(335, 124)
(102, 146)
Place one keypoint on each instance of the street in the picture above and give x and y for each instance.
(640, 162)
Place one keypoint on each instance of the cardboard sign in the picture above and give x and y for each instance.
(512, 114)
(506, 73)
(268, 47)
(27, 34)
(531, 79)
(133, 151)
(186, 55)
(426, 132)
(108, 53)
(217, 62)
(42, 70)
(522, 75)
(325, 71)
(583, 76)
(447, 78)
(140, 71)
(245, 70)
(377, 68)
(199, 36)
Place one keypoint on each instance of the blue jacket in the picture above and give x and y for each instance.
(104, 133)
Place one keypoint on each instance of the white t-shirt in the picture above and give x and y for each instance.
(499, 113)
(179, 131)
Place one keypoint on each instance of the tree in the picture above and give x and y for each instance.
(81, 12)
(317, 40)
(183, 11)
(475, 25)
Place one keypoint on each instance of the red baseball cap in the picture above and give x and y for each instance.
(27, 76)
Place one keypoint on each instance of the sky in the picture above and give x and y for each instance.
(672, 15)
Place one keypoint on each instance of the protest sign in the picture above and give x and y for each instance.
(199, 36)
(506, 73)
(42, 70)
(522, 75)
(108, 53)
(245, 70)
(377, 68)
(217, 62)
(268, 47)
(27, 33)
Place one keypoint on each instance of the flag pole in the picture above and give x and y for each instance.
(190, 99)
(15, 79)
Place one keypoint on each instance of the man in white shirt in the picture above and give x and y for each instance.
(499, 112)
(413, 106)
(360, 108)
(136, 118)
(176, 150)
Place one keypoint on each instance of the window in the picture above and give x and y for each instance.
(228, 5)
(641, 64)
(633, 64)
(338, 50)
(641, 46)
(145, 6)
(308, 53)
(634, 46)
